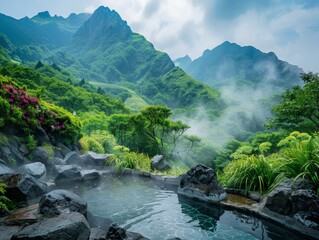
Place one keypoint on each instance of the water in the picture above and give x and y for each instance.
(140, 205)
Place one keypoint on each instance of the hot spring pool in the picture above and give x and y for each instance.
(141, 205)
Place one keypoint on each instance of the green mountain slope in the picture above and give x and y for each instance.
(230, 63)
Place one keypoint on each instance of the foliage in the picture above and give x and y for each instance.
(252, 174)
(106, 139)
(88, 143)
(31, 142)
(93, 121)
(4, 201)
(123, 158)
(301, 159)
(299, 108)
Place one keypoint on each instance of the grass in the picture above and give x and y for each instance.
(252, 174)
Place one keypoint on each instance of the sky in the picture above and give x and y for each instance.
(290, 28)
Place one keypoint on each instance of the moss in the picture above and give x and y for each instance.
(49, 149)
(3, 139)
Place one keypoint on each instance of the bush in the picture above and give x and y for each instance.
(31, 142)
(4, 201)
(252, 174)
(301, 159)
(106, 139)
(123, 158)
(88, 143)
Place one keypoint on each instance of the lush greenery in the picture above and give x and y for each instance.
(4, 201)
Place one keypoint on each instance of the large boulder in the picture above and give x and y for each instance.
(22, 187)
(66, 173)
(88, 175)
(116, 233)
(36, 170)
(200, 182)
(278, 200)
(61, 201)
(4, 170)
(94, 159)
(39, 154)
(66, 226)
(158, 163)
(73, 158)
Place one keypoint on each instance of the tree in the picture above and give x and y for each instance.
(299, 108)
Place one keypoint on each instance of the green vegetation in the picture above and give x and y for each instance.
(4, 201)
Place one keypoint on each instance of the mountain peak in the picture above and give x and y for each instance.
(44, 14)
(104, 27)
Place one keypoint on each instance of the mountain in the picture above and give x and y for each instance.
(229, 64)
(53, 32)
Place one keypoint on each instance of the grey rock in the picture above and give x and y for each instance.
(73, 158)
(24, 150)
(6, 232)
(66, 172)
(200, 182)
(135, 236)
(158, 163)
(40, 155)
(64, 149)
(116, 233)
(278, 200)
(99, 222)
(301, 183)
(90, 175)
(256, 196)
(66, 226)
(97, 234)
(41, 136)
(36, 170)
(94, 159)
(23, 187)
(61, 201)
(4, 170)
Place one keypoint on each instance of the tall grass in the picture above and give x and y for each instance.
(252, 174)
(301, 160)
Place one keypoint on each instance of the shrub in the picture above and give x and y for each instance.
(252, 174)
(106, 139)
(88, 143)
(31, 142)
(4, 201)
(301, 159)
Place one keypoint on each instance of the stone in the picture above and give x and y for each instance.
(23, 216)
(135, 236)
(94, 159)
(97, 234)
(158, 163)
(4, 170)
(305, 206)
(200, 182)
(36, 170)
(6, 232)
(41, 136)
(61, 201)
(90, 175)
(24, 150)
(64, 149)
(73, 158)
(301, 183)
(39, 154)
(66, 173)
(98, 221)
(115, 233)
(22, 187)
(278, 200)
(66, 226)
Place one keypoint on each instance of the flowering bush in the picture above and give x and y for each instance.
(20, 109)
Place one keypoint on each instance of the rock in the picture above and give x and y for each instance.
(301, 183)
(24, 150)
(158, 163)
(6, 232)
(4, 170)
(73, 158)
(66, 173)
(305, 206)
(36, 170)
(66, 226)
(255, 196)
(94, 159)
(115, 233)
(61, 201)
(64, 149)
(99, 222)
(200, 182)
(135, 236)
(97, 234)
(41, 136)
(90, 175)
(39, 154)
(23, 187)
(278, 200)
(23, 216)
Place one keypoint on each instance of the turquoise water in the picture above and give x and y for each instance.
(140, 205)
